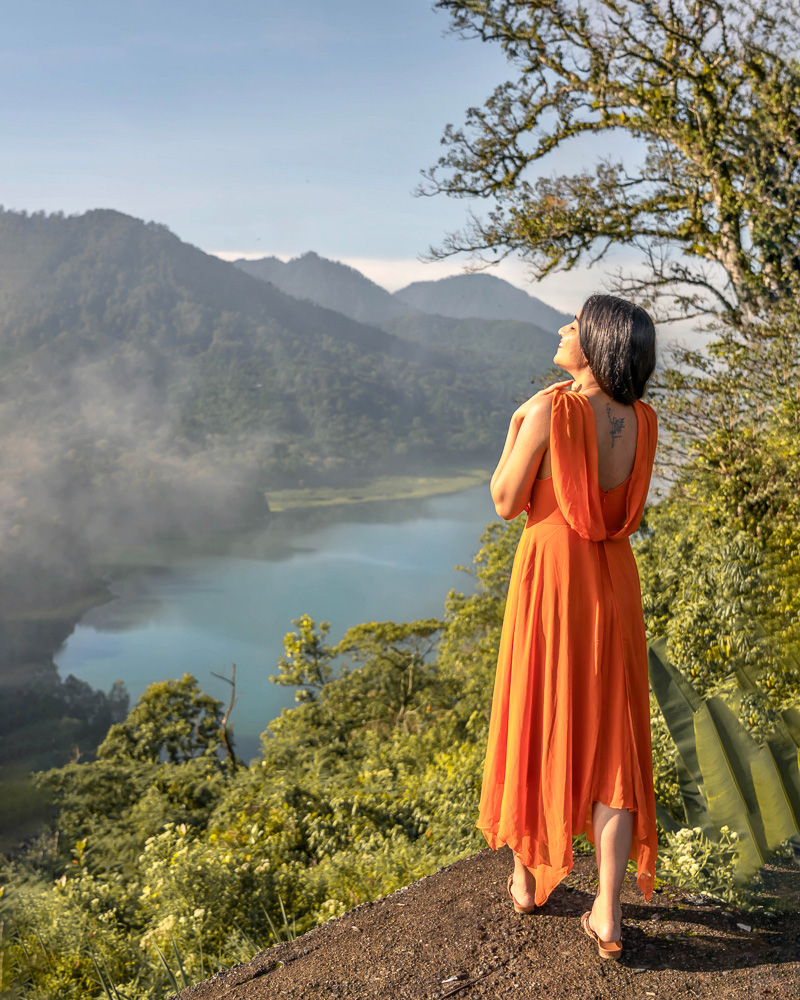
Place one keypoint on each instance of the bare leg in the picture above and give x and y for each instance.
(613, 836)
(524, 884)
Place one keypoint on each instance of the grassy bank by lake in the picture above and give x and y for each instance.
(384, 488)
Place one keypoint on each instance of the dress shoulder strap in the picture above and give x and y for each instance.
(573, 456)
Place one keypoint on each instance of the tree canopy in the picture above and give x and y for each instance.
(712, 90)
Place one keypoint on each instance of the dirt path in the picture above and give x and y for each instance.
(455, 933)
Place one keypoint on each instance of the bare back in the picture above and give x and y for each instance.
(617, 428)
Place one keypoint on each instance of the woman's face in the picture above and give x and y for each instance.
(569, 355)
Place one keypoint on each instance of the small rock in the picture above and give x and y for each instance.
(744, 927)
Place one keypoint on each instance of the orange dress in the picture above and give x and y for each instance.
(570, 722)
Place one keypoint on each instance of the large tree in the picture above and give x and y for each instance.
(712, 90)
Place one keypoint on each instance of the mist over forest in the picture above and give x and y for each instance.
(151, 390)
(147, 387)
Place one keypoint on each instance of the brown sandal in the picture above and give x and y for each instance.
(606, 949)
(517, 907)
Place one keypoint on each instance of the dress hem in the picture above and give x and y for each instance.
(645, 879)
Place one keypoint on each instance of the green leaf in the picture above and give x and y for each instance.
(694, 800)
(179, 960)
(786, 760)
(743, 786)
(170, 974)
(678, 702)
(791, 719)
(728, 803)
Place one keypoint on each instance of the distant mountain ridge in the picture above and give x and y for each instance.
(343, 288)
(481, 296)
(328, 283)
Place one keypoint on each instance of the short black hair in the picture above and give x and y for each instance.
(618, 340)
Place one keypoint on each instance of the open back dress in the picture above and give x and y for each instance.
(570, 720)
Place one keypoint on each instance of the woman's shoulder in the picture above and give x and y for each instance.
(648, 410)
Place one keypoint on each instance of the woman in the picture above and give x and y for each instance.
(569, 738)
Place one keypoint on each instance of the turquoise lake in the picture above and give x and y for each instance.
(230, 598)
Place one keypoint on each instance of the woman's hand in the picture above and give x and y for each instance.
(519, 414)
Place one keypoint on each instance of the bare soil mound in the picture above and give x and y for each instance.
(455, 933)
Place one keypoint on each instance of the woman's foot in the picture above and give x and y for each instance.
(523, 885)
(606, 921)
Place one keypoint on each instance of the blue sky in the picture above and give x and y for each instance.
(254, 128)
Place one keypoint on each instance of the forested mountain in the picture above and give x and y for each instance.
(330, 284)
(500, 343)
(493, 332)
(463, 296)
(480, 295)
(146, 386)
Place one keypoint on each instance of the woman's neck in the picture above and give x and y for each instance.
(586, 385)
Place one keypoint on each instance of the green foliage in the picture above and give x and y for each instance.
(172, 718)
(173, 867)
(47, 721)
(709, 865)
(389, 676)
(358, 792)
(306, 660)
(711, 90)
(727, 780)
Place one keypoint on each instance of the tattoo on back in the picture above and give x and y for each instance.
(617, 423)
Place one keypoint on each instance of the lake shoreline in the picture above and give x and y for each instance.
(114, 566)
(198, 605)
(380, 489)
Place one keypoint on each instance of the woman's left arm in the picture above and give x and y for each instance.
(526, 442)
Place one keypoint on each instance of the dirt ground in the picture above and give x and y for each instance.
(455, 933)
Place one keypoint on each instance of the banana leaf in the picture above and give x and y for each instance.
(782, 745)
(743, 787)
(791, 719)
(786, 757)
(678, 702)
